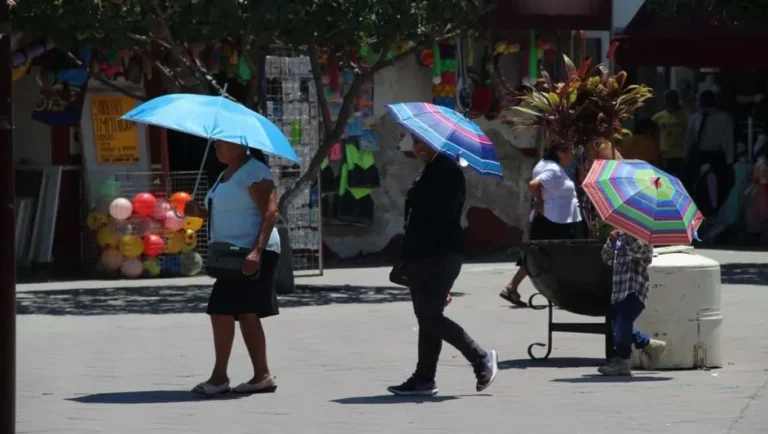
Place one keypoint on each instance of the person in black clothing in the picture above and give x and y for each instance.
(434, 241)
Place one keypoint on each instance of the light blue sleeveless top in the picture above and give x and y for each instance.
(235, 218)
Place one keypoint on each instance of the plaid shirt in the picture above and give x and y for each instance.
(630, 259)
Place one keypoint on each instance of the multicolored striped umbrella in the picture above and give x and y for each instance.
(450, 133)
(644, 201)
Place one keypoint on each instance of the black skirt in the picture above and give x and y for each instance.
(543, 228)
(239, 296)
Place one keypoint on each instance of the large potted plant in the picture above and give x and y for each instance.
(586, 111)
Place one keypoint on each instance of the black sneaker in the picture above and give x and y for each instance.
(486, 370)
(414, 387)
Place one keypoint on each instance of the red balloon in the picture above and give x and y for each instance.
(153, 245)
(144, 204)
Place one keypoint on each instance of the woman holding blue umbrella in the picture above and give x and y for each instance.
(242, 211)
(433, 246)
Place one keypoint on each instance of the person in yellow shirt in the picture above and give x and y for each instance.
(672, 123)
(643, 144)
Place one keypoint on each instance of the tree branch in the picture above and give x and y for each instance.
(102, 79)
(322, 100)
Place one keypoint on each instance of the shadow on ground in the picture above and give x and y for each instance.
(635, 378)
(394, 399)
(552, 362)
(744, 274)
(188, 299)
(149, 397)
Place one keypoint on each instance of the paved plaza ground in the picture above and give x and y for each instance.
(117, 357)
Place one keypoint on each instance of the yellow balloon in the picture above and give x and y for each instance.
(131, 246)
(107, 236)
(174, 242)
(193, 223)
(152, 267)
(96, 220)
(190, 241)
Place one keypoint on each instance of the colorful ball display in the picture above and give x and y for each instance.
(178, 200)
(131, 268)
(144, 204)
(111, 259)
(97, 220)
(193, 223)
(107, 237)
(120, 208)
(151, 267)
(131, 246)
(191, 263)
(161, 209)
(153, 245)
(172, 222)
(174, 242)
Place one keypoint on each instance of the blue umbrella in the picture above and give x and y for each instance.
(450, 133)
(214, 118)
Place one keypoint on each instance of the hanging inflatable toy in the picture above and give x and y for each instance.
(178, 200)
(144, 204)
(96, 220)
(190, 241)
(131, 246)
(161, 210)
(131, 268)
(107, 236)
(151, 267)
(111, 259)
(174, 242)
(109, 189)
(120, 208)
(172, 222)
(153, 245)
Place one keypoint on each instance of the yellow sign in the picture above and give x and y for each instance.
(116, 141)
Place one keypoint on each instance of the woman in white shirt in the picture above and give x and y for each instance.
(556, 214)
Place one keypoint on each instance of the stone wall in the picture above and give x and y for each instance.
(496, 210)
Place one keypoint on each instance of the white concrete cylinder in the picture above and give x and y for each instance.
(683, 309)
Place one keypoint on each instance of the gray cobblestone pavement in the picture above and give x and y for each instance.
(99, 360)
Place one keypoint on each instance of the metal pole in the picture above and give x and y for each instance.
(7, 245)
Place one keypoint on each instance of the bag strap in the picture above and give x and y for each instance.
(209, 204)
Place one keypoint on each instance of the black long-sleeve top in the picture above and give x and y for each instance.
(433, 210)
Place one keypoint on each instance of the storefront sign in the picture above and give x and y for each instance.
(116, 141)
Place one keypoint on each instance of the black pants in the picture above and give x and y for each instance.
(428, 298)
(698, 188)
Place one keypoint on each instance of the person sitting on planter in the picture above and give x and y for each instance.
(630, 259)
(556, 213)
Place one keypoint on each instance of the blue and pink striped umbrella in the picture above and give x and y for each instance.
(449, 133)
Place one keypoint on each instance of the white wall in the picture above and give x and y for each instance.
(407, 82)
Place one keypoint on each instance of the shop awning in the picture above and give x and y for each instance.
(511, 15)
(693, 41)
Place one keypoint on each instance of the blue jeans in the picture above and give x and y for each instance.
(625, 334)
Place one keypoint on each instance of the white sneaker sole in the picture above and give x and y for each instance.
(494, 372)
(394, 391)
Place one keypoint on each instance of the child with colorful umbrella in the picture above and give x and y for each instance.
(648, 207)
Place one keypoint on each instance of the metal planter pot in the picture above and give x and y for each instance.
(570, 274)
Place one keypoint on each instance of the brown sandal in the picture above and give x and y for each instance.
(512, 297)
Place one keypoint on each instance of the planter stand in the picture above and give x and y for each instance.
(593, 328)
